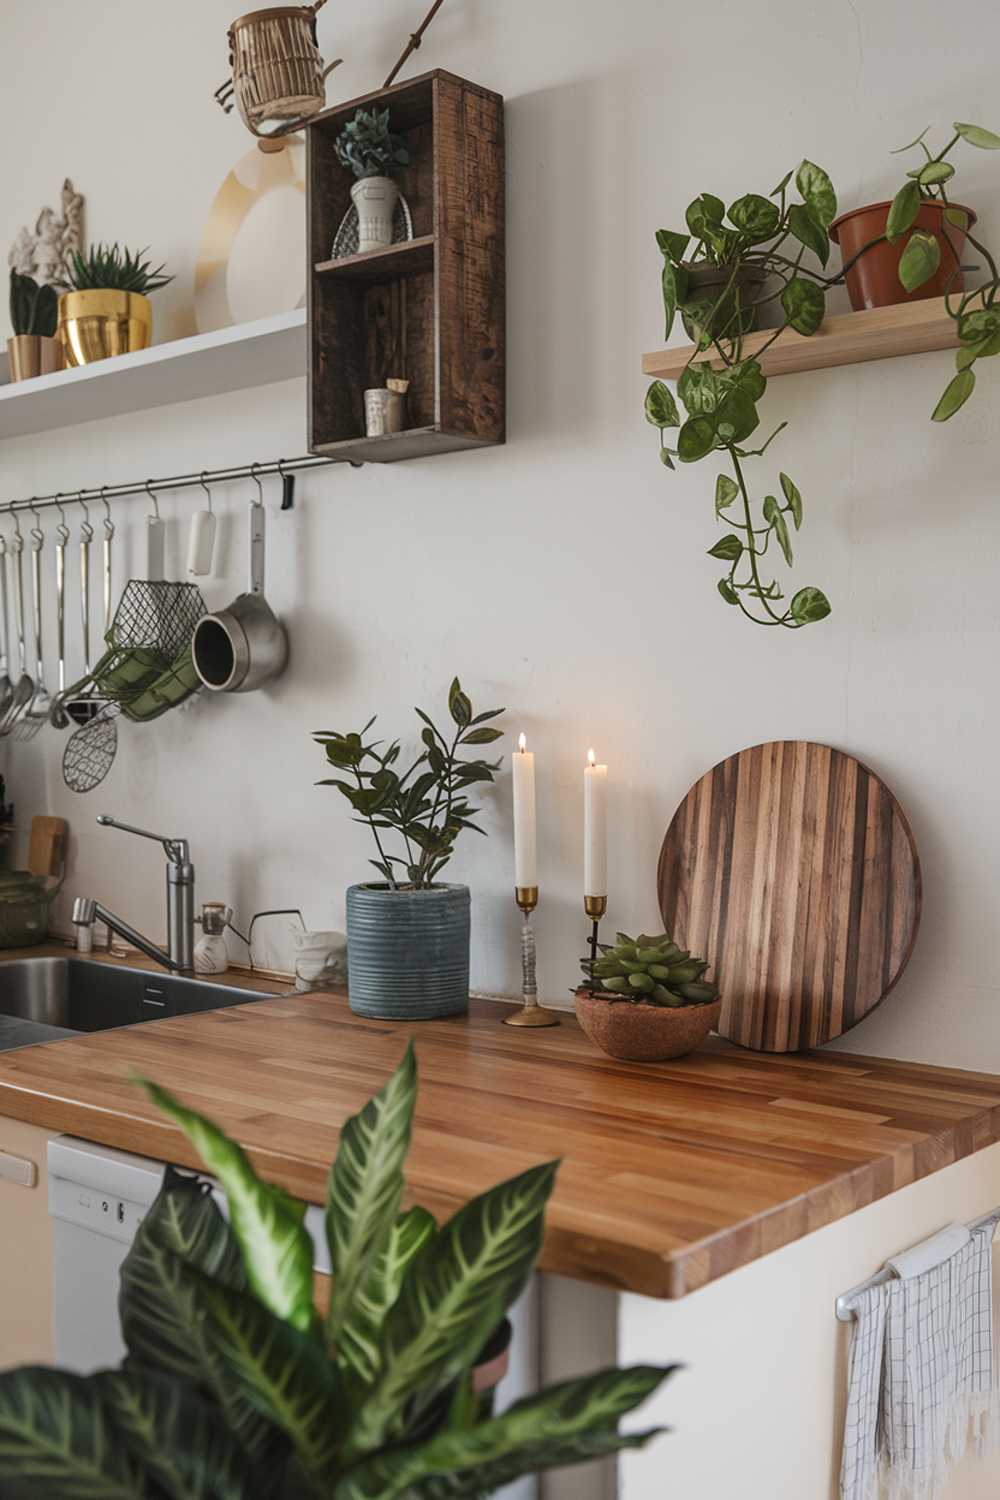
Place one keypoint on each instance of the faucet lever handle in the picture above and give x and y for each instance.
(176, 850)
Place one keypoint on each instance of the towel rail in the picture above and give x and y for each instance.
(844, 1305)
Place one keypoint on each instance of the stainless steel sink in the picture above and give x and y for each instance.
(45, 998)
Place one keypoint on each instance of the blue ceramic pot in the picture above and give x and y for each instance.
(408, 952)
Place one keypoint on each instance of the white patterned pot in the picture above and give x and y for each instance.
(375, 200)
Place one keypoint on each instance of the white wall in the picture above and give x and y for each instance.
(563, 575)
(757, 1412)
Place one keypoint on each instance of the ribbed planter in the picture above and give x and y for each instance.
(408, 952)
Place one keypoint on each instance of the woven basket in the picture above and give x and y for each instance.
(277, 69)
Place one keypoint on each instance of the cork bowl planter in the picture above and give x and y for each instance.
(638, 1032)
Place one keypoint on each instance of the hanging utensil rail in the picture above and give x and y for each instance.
(146, 487)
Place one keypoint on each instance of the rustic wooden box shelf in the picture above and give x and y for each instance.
(847, 339)
(429, 310)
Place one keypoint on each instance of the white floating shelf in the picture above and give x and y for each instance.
(231, 359)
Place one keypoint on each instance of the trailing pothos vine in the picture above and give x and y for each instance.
(761, 251)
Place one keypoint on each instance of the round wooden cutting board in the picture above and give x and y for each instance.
(792, 868)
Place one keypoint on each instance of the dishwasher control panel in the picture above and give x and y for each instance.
(100, 1212)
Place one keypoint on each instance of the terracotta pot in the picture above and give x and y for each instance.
(737, 314)
(33, 354)
(636, 1032)
(874, 280)
(493, 1361)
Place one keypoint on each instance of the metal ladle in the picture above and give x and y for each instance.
(6, 686)
(58, 717)
(24, 687)
(81, 707)
(37, 712)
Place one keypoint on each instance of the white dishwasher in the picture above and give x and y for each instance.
(97, 1199)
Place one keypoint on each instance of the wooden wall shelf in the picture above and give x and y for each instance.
(407, 259)
(847, 339)
(430, 310)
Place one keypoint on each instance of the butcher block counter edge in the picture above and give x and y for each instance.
(672, 1173)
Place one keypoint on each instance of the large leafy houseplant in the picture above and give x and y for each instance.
(235, 1388)
(777, 240)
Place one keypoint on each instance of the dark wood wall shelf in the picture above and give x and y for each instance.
(429, 310)
(407, 259)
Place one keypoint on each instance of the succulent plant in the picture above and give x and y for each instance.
(33, 308)
(109, 268)
(655, 970)
(367, 147)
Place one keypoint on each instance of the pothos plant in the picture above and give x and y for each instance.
(426, 805)
(765, 244)
(772, 237)
(237, 1388)
(976, 315)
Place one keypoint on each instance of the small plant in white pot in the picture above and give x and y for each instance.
(408, 934)
(368, 148)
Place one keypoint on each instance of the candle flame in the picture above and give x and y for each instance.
(591, 758)
(522, 743)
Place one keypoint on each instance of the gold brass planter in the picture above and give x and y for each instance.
(98, 324)
(33, 354)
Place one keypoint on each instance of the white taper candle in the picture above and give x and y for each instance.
(595, 828)
(525, 842)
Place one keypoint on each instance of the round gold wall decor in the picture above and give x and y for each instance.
(252, 258)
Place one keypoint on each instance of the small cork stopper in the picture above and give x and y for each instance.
(400, 386)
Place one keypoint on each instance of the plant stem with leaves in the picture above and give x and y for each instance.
(427, 805)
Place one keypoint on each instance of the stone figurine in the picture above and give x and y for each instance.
(44, 253)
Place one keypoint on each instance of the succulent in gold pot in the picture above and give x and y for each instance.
(646, 999)
(33, 348)
(104, 308)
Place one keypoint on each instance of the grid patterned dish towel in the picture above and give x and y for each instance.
(920, 1387)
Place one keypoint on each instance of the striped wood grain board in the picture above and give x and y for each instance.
(792, 867)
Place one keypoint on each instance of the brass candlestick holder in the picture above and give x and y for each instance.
(531, 1013)
(595, 907)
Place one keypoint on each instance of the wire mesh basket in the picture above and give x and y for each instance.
(147, 667)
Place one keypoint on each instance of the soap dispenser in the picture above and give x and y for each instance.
(210, 953)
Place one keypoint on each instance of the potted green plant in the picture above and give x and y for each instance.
(720, 387)
(913, 246)
(720, 394)
(408, 934)
(646, 999)
(368, 148)
(34, 311)
(104, 308)
(235, 1386)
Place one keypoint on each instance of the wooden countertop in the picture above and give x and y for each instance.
(672, 1174)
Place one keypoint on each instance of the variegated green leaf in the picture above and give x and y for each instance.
(365, 1188)
(454, 1296)
(155, 1306)
(564, 1424)
(161, 1318)
(177, 1439)
(276, 1370)
(277, 1251)
(359, 1343)
(56, 1441)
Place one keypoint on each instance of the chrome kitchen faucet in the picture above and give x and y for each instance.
(180, 904)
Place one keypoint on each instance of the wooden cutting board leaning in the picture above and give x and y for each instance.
(792, 866)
